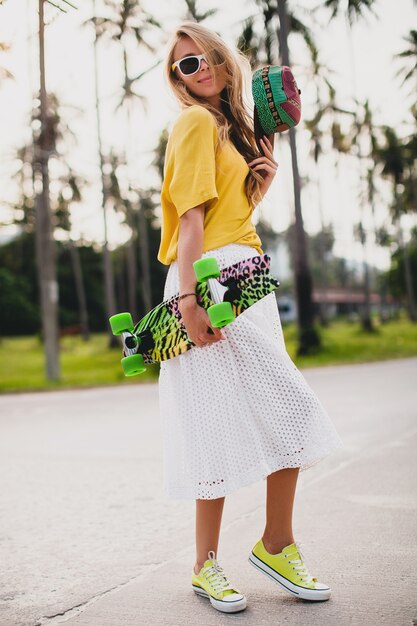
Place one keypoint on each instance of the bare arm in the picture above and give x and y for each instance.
(266, 163)
(190, 247)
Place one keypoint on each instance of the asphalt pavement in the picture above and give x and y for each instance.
(88, 538)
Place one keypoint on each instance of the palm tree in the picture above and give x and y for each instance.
(355, 10)
(408, 196)
(325, 106)
(69, 194)
(409, 73)
(123, 197)
(309, 339)
(4, 72)
(130, 22)
(249, 42)
(45, 245)
(108, 273)
(265, 49)
(119, 193)
(409, 191)
(67, 186)
(194, 14)
(363, 130)
(393, 158)
(159, 152)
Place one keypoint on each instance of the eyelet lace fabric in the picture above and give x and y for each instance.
(237, 410)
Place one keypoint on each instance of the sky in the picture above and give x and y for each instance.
(359, 61)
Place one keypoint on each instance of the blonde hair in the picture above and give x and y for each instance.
(233, 121)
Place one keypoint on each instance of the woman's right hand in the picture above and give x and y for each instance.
(198, 326)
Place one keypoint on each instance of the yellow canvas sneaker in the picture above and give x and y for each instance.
(287, 568)
(212, 583)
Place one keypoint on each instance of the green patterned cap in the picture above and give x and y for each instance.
(276, 97)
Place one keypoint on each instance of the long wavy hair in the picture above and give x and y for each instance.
(233, 121)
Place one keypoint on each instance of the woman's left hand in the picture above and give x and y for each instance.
(266, 163)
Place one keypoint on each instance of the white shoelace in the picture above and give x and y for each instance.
(214, 575)
(301, 567)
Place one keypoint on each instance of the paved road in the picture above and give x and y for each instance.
(88, 538)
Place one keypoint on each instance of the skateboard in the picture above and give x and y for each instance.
(224, 293)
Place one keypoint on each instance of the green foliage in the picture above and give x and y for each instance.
(91, 263)
(18, 313)
(18, 260)
(344, 342)
(19, 297)
(83, 364)
(396, 274)
(93, 363)
(324, 265)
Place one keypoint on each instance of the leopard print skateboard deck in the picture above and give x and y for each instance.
(161, 332)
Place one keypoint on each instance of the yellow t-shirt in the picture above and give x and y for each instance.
(194, 174)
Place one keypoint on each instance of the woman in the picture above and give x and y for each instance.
(235, 408)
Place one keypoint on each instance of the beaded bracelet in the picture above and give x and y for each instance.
(184, 295)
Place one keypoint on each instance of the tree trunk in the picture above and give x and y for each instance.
(366, 320)
(366, 317)
(132, 273)
(110, 297)
(144, 254)
(45, 245)
(409, 283)
(323, 314)
(382, 302)
(80, 290)
(411, 304)
(308, 337)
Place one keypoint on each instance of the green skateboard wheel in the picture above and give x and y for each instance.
(120, 323)
(206, 268)
(221, 314)
(133, 364)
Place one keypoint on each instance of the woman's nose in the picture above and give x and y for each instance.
(205, 63)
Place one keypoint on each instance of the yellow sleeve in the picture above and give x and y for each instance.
(193, 152)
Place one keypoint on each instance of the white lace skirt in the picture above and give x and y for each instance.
(239, 409)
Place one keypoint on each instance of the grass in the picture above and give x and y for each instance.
(93, 363)
(83, 364)
(346, 342)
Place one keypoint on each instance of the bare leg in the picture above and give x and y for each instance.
(207, 528)
(279, 507)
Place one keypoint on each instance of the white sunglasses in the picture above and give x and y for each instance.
(189, 65)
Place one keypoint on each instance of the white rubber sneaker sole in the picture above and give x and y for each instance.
(237, 601)
(322, 591)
